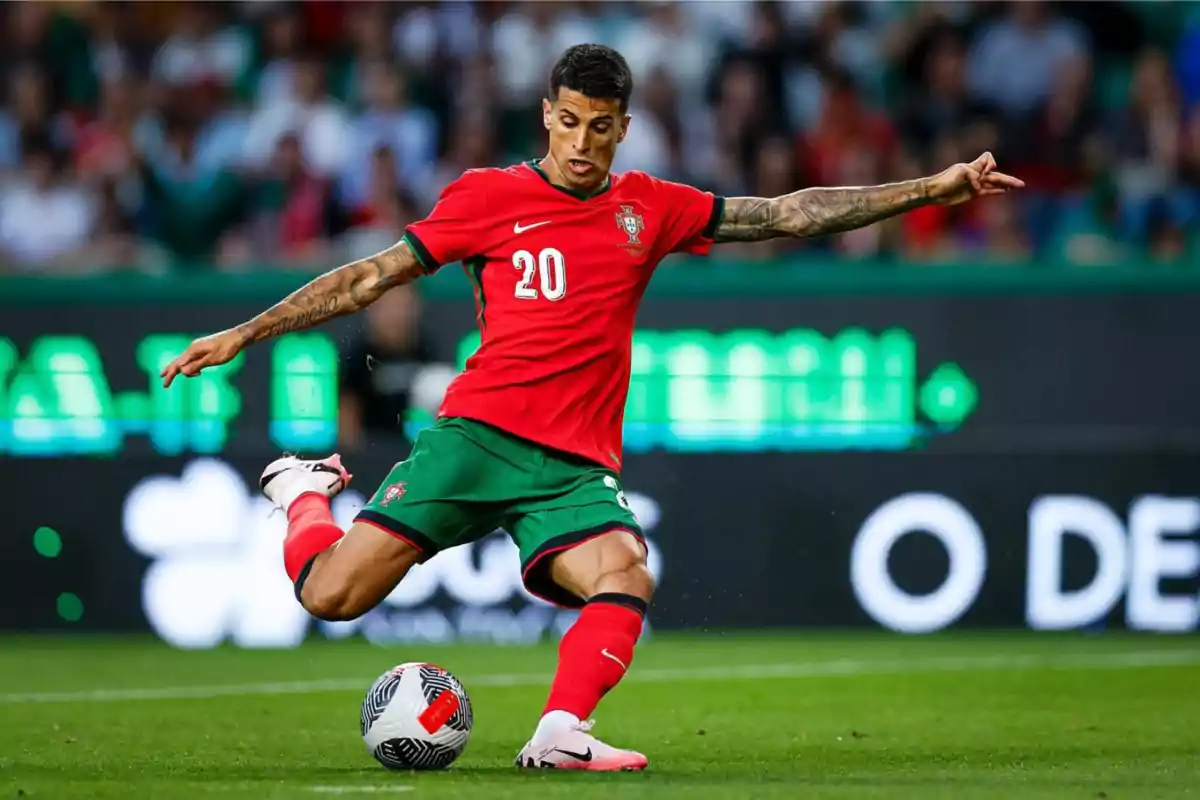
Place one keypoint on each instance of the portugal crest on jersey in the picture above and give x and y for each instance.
(393, 492)
(631, 223)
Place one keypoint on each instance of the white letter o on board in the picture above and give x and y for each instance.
(892, 606)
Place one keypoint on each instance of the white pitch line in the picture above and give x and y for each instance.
(809, 669)
(384, 789)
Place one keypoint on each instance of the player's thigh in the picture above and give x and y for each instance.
(611, 563)
(568, 541)
(446, 493)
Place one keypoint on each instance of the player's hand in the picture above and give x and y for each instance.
(964, 182)
(208, 351)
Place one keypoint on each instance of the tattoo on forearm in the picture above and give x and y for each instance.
(324, 309)
(816, 212)
(340, 291)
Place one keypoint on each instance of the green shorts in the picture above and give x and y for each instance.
(464, 479)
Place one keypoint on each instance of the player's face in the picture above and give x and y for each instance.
(584, 133)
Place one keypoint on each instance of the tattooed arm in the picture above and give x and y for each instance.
(817, 212)
(341, 291)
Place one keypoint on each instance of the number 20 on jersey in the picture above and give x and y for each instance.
(548, 270)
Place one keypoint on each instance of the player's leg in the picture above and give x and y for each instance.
(600, 568)
(355, 575)
(435, 499)
(338, 575)
(609, 574)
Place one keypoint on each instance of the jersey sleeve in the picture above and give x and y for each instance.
(451, 231)
(692, 218)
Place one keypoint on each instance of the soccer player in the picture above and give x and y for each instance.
(529, 436)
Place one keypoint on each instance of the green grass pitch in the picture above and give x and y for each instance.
(1012, 716)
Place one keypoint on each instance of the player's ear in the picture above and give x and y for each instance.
(624, 128)
(546, 109)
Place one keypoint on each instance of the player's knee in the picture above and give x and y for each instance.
(332, 601)
(632, 577)
(640, 580)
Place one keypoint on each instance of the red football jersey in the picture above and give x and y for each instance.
(558, 278)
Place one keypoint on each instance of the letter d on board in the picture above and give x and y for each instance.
(1051, 519)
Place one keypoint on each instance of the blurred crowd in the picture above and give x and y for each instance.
(266, 135)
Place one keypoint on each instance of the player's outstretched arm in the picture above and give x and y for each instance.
(340, 291)
(820, 211)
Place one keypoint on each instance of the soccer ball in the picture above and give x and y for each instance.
(416, 716)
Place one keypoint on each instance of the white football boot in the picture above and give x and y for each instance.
(573, 747)
(287, 478)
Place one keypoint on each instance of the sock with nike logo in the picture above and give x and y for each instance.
(595, 653)
(311, 531)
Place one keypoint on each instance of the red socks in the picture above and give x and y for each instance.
(311, 531)
(595, 653)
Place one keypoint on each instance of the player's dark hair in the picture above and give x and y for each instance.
(595, 71)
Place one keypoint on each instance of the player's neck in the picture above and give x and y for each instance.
(556, 178)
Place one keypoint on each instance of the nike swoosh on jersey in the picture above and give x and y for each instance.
(517, 228)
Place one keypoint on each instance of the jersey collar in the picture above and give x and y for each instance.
(533, 165)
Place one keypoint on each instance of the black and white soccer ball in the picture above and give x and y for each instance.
(416, 716)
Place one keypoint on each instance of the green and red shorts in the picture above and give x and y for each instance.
(465, 479)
